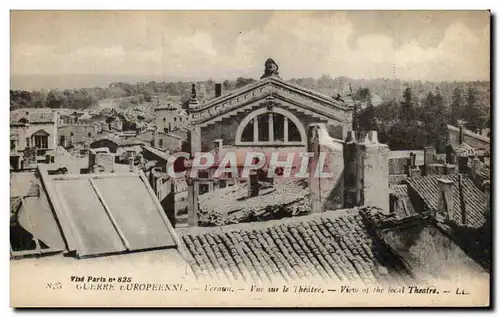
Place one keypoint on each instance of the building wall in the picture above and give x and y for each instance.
(168, 142)
(147, 136)
(26, 131)
(170, 118)
(226, 129)
(76, 134)
(453, 138)
(112, 146)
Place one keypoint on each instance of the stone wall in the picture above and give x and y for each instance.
(74, 134)
(326, 169)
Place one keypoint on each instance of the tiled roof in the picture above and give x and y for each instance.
(464, 149)
(482, 170)
(334, 246)
(399, 190)
(427, 188)
(397, 179)
(159, 153)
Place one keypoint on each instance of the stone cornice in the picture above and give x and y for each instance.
(297, 98)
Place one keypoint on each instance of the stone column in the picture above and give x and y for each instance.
(195, 140)
(192, 203)
(271, 127)
(255, 129)
(285, 129)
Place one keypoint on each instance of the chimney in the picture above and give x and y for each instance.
(463, 162)
(413, 169)
(461, 134)
(451, 169)
(253, 184)
(193, 102)
(445, 198)
(473, 167)
(218, 90)
(429, 153)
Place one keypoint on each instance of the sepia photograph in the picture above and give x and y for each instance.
(250, 158)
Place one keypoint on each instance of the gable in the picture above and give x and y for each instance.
(268, 90)
(41, 132)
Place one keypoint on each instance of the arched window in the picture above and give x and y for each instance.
(271, 127)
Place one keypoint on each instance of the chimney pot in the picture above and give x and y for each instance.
(218, 90)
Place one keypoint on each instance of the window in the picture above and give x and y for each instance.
(27, 142)
(270, 128)
(41, 142)
(71, 134)
(203, 189)
(160, 143)
(89, 134)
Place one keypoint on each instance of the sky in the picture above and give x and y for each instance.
(420, 45)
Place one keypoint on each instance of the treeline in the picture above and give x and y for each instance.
(131, 93)
(413, 122)
(407, 114)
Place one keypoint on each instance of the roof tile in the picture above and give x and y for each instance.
(299, 249)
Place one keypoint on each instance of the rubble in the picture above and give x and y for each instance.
(232, 205)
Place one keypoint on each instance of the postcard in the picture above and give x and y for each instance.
(250, 159)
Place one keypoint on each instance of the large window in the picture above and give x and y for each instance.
(269, 127)
(41, 142)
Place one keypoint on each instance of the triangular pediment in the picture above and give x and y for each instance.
(272, 89)
(41, 132)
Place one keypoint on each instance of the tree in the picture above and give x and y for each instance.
(54, 99)
(456, 106)
(241, 82)
(473, 115)
(364, 95)
(227, 85)
(407, 108)
(435, 119)
(367, 119)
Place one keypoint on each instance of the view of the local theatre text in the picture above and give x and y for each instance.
(250, 159)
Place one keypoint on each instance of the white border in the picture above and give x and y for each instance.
(196, 4)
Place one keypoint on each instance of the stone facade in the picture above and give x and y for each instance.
(69, 135)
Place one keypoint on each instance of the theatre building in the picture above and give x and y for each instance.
(269, 114)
